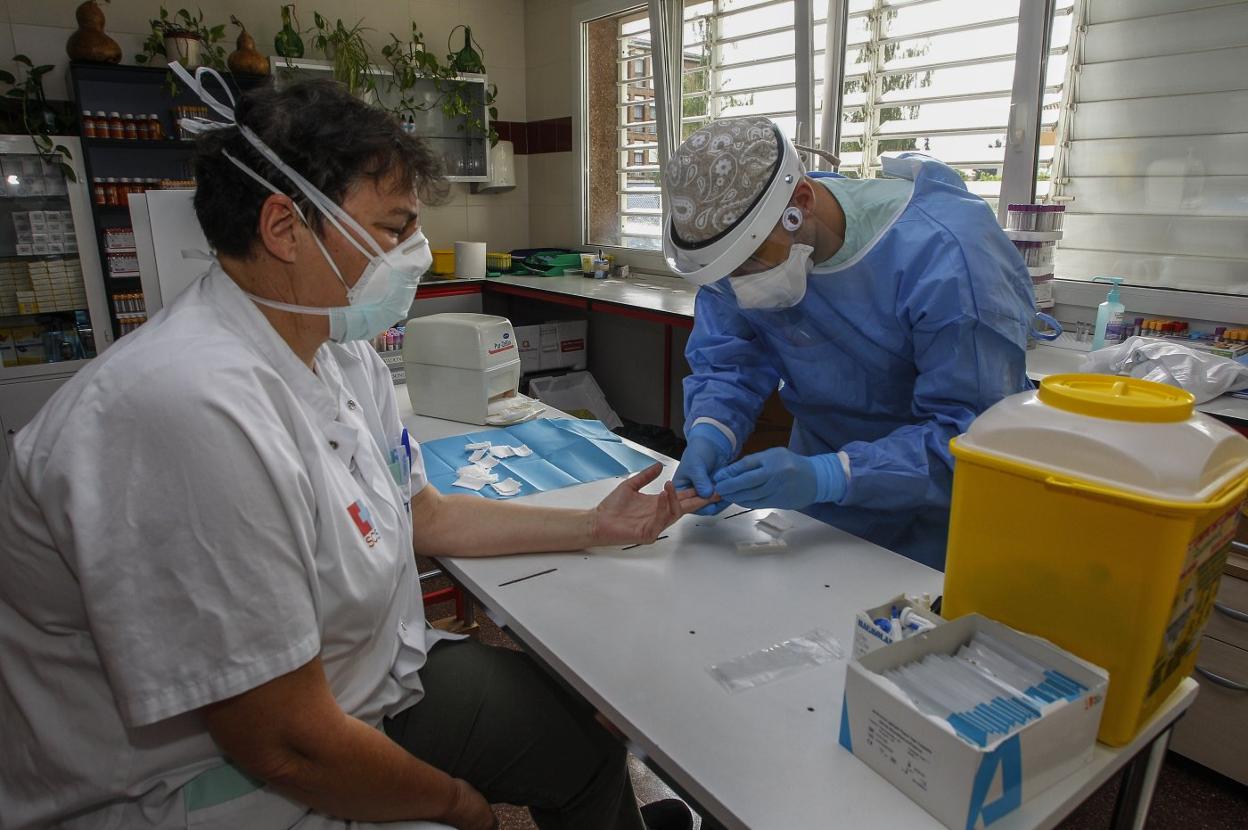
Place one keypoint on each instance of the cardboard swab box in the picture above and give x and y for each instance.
(963, 785)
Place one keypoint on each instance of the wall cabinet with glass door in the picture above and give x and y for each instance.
(462, 140)
(53, 309)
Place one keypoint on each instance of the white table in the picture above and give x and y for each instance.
(633, 632)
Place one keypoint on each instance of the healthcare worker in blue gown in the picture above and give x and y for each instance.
(888, 312)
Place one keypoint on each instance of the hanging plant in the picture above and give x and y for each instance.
(38, 118)
(458, 102)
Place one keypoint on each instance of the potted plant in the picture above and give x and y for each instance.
(184, 37)
(38, 118)
(347, 49)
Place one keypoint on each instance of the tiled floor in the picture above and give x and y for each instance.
(1188, 796)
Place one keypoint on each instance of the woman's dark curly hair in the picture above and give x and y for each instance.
(317, 127)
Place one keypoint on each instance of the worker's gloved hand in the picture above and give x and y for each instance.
(707, 451)
(779, 477)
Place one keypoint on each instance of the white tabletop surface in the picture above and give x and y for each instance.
(668, 295)
(1051, 360)
(634, 631)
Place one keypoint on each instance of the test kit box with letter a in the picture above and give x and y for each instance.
(964, 785)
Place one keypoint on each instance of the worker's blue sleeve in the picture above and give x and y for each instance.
(969, 347)
(731, 373)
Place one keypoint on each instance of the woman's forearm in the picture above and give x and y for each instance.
(467, 526)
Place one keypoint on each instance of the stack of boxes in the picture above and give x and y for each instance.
(13, 278)
(41, 286)
(1035, 230)
(554, 345)
(57, 285)
(43, 232)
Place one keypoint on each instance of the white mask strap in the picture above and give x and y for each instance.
(332, 211)
(199, 125)
(315, 237)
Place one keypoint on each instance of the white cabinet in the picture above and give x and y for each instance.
(20, 401)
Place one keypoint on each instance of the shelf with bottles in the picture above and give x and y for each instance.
(164, 144)
(147, 150)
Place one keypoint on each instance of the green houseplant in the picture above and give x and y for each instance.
(184, 37)
(410, 62)
(347, 49)
(38, 119)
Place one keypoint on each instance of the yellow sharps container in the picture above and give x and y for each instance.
(1097, 512)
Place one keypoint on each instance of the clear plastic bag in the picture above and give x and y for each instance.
(1204, 375)
(814, 648)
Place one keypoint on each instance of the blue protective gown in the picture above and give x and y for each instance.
(886, 358)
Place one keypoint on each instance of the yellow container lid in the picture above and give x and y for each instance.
(1128, 434)
(1117, 398)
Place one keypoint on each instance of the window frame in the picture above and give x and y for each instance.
(584, 13)
(1019, 166)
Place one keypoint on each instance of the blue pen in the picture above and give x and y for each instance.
(407, 446)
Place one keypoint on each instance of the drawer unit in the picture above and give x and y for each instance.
(1215, 730)
(1229, 620)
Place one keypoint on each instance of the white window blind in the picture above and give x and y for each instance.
(640, 209)
(936, 76)
(739, 60)
(1156, 174)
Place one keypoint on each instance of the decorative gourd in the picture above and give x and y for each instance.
(89, 43)
(246, 59)
(287, 43)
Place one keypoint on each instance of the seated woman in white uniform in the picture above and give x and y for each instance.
(209, 614)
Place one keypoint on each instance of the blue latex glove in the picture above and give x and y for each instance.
(707, 451)
(779, 477)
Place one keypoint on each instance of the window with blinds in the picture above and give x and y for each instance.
(1155, 174)
(623, 203)
(936, 76)
(738, 60)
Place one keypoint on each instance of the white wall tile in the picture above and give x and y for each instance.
(552, 179)
(444, 226)
(512, 100)
(553, 225)
(502, 228)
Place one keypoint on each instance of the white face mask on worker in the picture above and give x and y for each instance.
(781, 287)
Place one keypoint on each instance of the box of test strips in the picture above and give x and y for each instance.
(961, 783)
(882, 626)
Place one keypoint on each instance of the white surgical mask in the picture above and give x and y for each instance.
(384, 292)
(781, 287)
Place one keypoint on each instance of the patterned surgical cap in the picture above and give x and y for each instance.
(717, 174)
